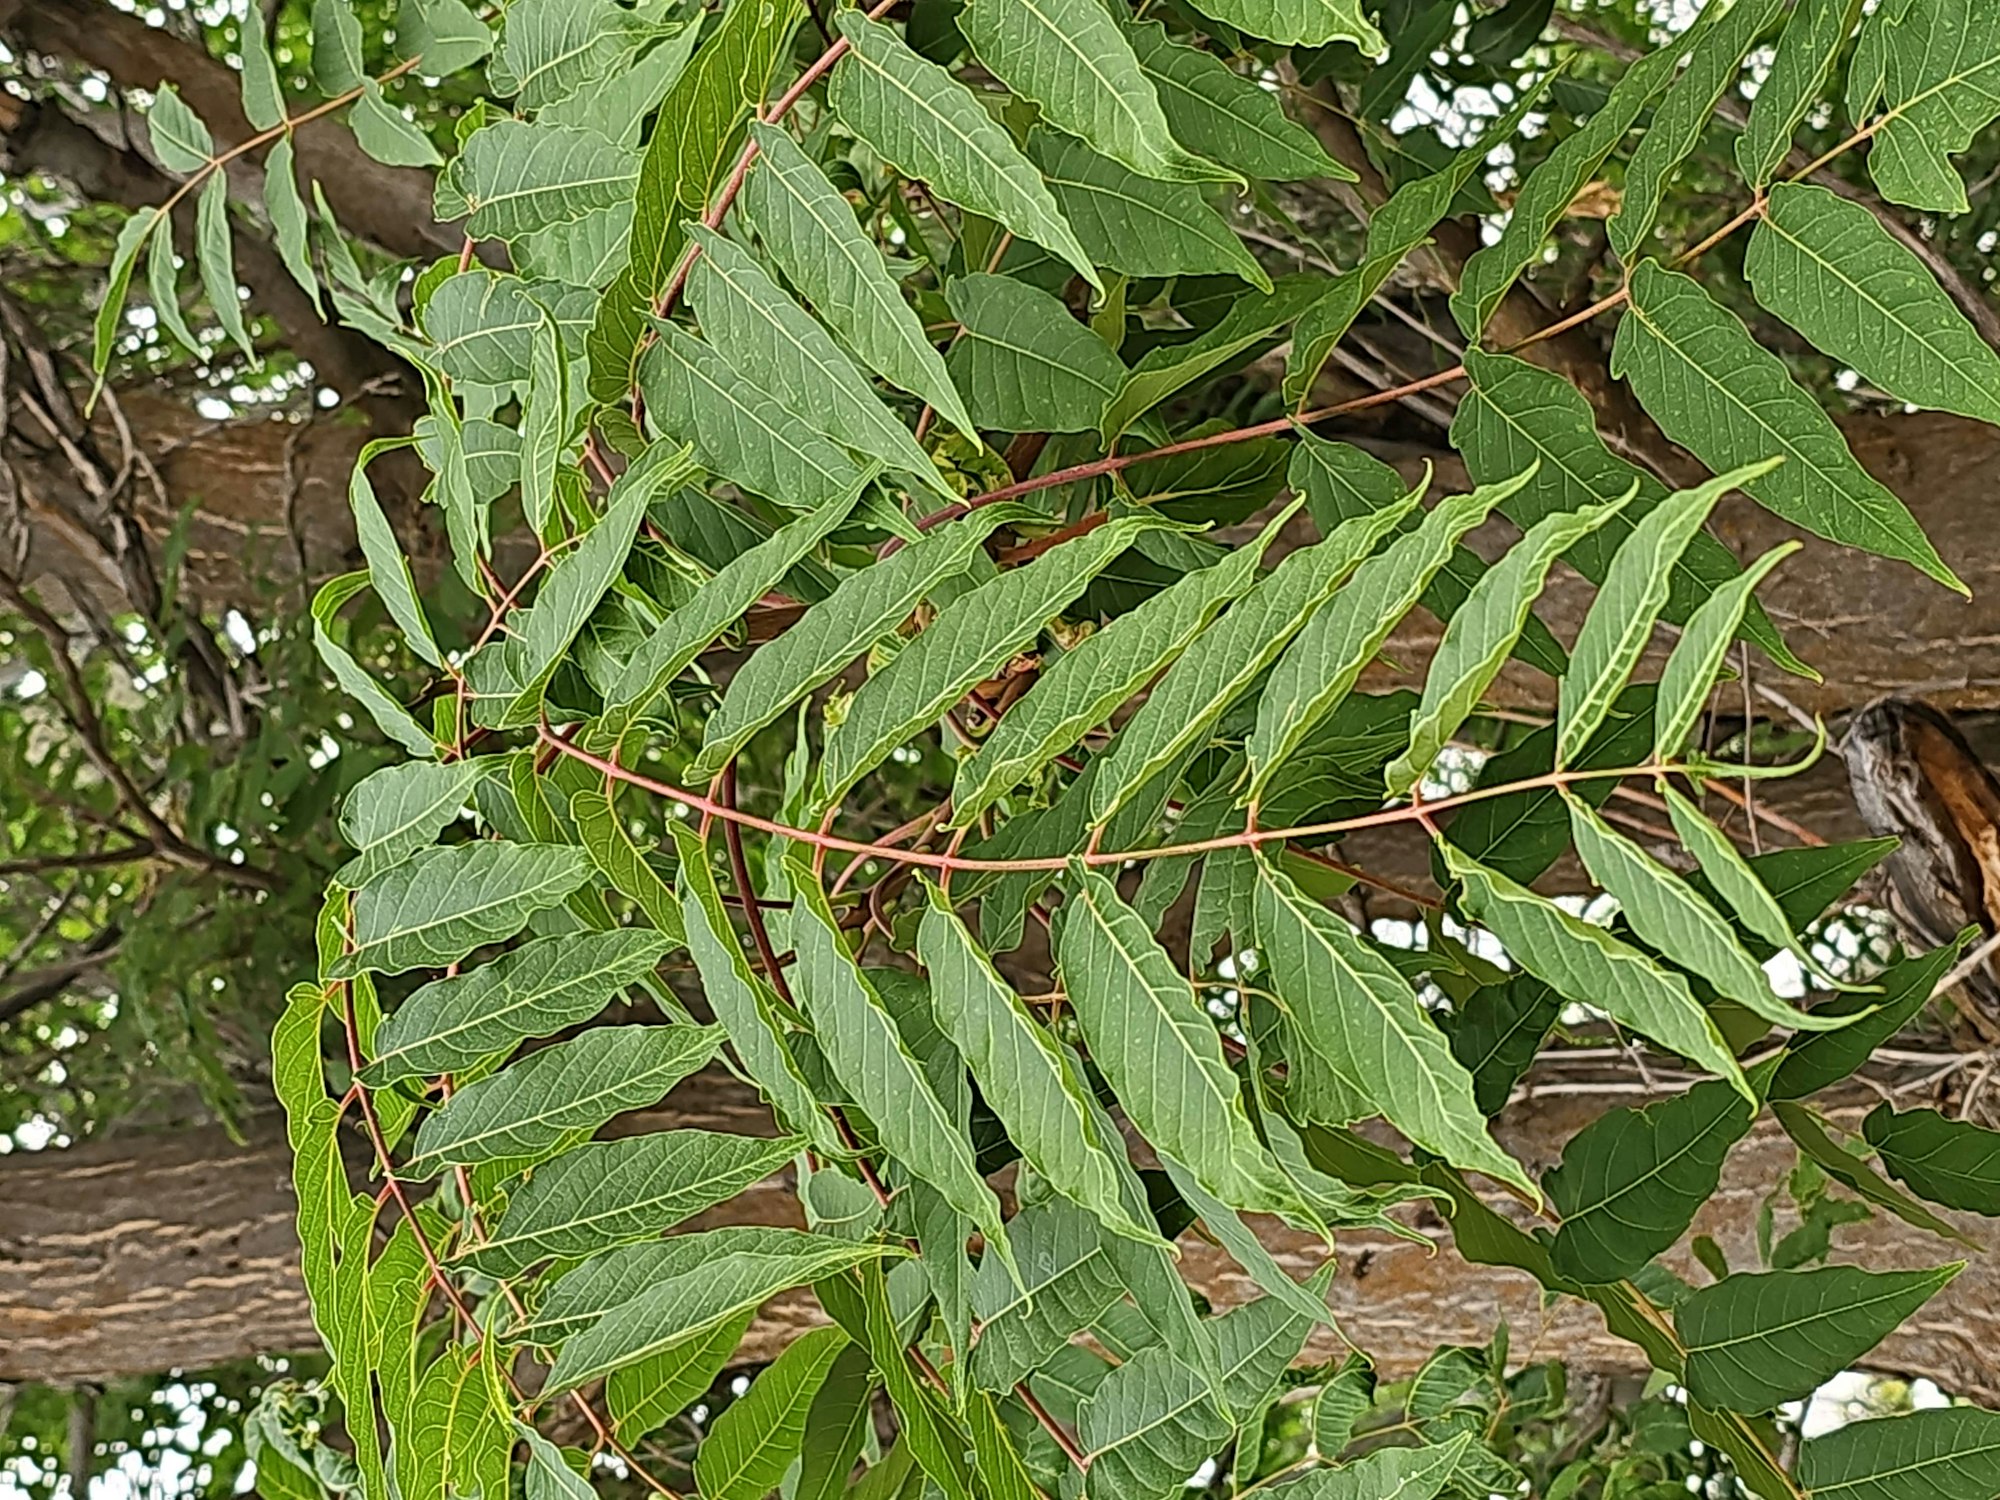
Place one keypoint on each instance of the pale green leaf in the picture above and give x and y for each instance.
(1070, 57)
(544, 425)
(838, 1423)
(1319, 669)
(869, 1056)
(1698, 656)
(482, 327)
(388, 569)
(163, 286)
(607, 839)
(616, 106)
(1586, 964)
(180, 140)
(649, 1393)
(1240, 1240)
(1939, 1454)
(394, 812)
(1828, 267)
(1952, 1162)
(215, 256)
(1067, 1283)
(1631, 1180)
(810, 231)
(457, 1443)
(1299, 23)
(287, 213)
(1220, 114)
(1159, 1049)
(263, 93)
(385, 133)
(337, 63)
(132, 236)
(389, 715)
(919, 117)
(1362, 1020)
(866, 607)
(1756, 1339)
(1220, 666)
(1933, 73)
(551, 48)
(971, 639)
(549, 1476)
(1139, 225)
(1080, 689)
(1024, 362)
(537, 990)
(1341, 1403)
(784, 352)
(443, 34)
(609, 1193)
(1683, 115)
(1807, 53)
(514, 179)
(1480, 637)
(439, 906)
(1732, 402)
(1421, 1473)
(753, 1442)
(1628, 603)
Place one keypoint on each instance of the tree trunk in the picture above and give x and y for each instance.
(133, 1256)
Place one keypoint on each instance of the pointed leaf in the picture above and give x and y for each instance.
(398, 810)
(530, 1109)
(536, 990)
(263, 94)
(514, 179)
(550, 48)
(180, 140)
(132, 236)
(755, 1440)
(1754, 1340)
(1229, 1230)
(1926, 1455)
(810, 231)
(438, 907)
(1698, 656)
(1821, 1060)
(1067, 1283)
(1159, 1049)
(1732, 402)
(608, 1193)
(1586, 964)
(838, 1423)
(1952, 1162)
(1388, 1474)
(1807, 53)
(216, 256)
(1844, 1158)
(287, 213)
(1497, 1035)
(388, 568)
(1218, 113)
(919, 117)
(1933, 71)
(607, 840)
(1481, 635)
(443, 34)
(1298, 23)
(1027, 365)
(382, 130)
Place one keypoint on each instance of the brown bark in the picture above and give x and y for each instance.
(131, 1256)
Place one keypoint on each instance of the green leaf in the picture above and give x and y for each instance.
(1363, 1022)
(1546, 195)
(607, 839)
(530, 1109)
(919, 117)
(1482, 634)
(869, 1056)
(1027, 364)
(1586, 964)
(1621, 619)
(287, 213)
(1819, 1061)
(388, 568)
(739, 431)
(458, 1443)
(784, 351)
(970, 640)
(1218, 113)
(394, 812)
(482, 325)
(1756, 1339)
(1081, 688)
(1198, 688)
(1497, 1035)
(1071, 58)
(644, 1396)
(551, 48)
(381, 130)
(1223, 1224)
(549, 1476)
(838, 1423)
(439, 906)
(1298, 23)
(811, 233)
(1341, 1403)
(132, 236)
(263, 93)
(1844, 1160)
(443, 34)
(741, 1001)
(1731, 402)
(537, 990)
(337, 62)
(1942, 1454)
(544, 425)
(1933, 72)
(1808, 51)
(719, 604)
(1517, 414)
(180, 139)
(757, 1437)
(1251, 321)
(1138, 225)
(607, 1193)
(866, 607)
(1067, 1283)
(1631, 1180)
(1828, 268)
(1678, 123)
(215, 255)
(515, 179)
(1389, 1474)
(1698, 656)
(1668, 915)
(1149, 1034)
(1321, 666)
(1952, 1162)
(687, 1307)
(1023, 1074)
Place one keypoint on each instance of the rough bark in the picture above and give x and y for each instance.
(155, 1252)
